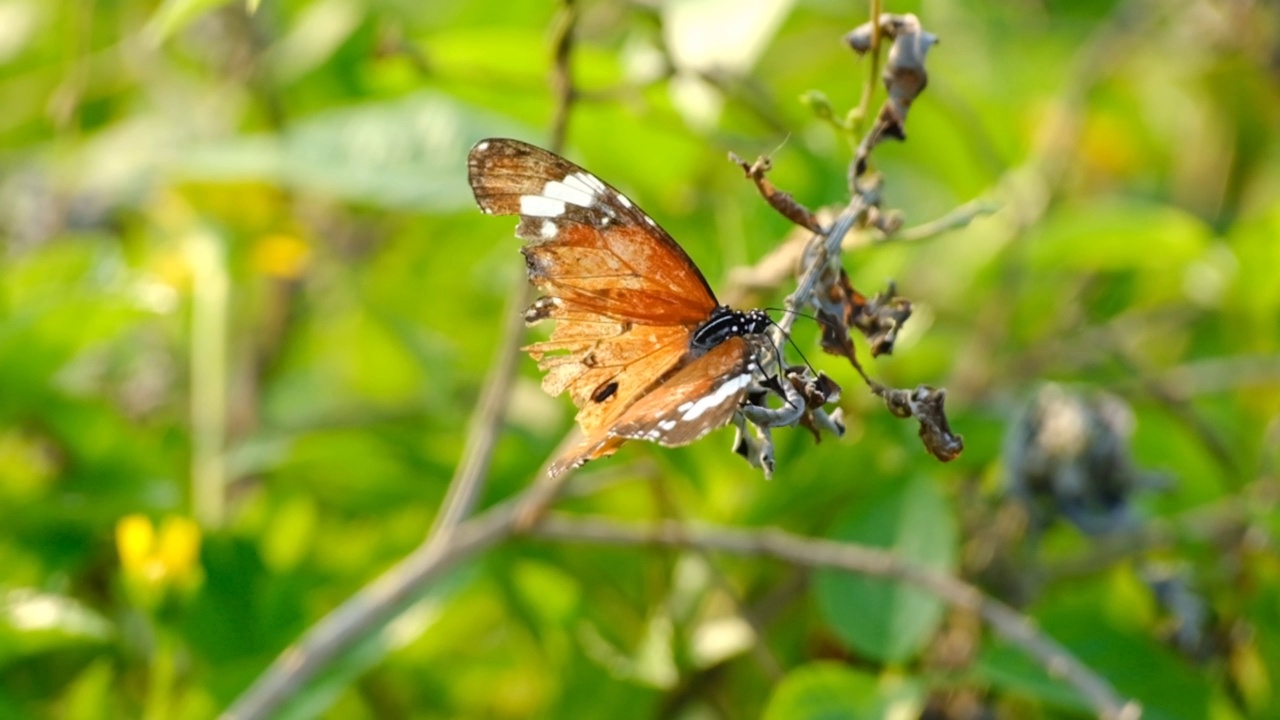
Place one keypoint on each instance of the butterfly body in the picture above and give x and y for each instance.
(640, 343)
(724, 323)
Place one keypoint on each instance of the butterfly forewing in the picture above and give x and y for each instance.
(589, 244)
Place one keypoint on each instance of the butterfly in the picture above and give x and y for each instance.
(640, 343)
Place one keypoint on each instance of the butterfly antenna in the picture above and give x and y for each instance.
(797, 313)
(787, 335)
(818, 320)
(780, 145)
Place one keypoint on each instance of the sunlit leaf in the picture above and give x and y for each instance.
(830, 691)
(33, 622)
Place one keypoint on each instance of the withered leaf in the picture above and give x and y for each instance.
(904, 76)
(779, 200)
(925, 404)
(878, 318)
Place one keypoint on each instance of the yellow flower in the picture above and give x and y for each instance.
(282, 256)
(153, 562)
(179, 549)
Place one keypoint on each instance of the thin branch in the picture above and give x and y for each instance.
(779, 265)
(798, 550)
(451, 539)
(482, 432)
(562, 86)
(485, 424)
(959, 217)
(873, 77)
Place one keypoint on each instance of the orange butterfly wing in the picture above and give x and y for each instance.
(698, 398)
(625, 296)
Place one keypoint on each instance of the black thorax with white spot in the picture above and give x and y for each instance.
(724, 323)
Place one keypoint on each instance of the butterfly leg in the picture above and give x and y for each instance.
(762, 416)
(758, 451)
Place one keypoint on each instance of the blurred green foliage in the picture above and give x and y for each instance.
(238, 252)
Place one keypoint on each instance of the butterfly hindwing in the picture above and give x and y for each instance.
(700, 397)
(605, 366)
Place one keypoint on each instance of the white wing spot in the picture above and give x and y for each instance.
(623, 200)
(548, 230)
(721, 394)
(572, 194)
(650, 221)
(591, 181)
(667, 425)
(539, 206)
(482, 146)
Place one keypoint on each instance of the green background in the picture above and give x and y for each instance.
(238, 251)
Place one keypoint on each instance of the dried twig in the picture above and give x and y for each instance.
(771, 271)
(783, 202)
(905, 76)
(562, 86)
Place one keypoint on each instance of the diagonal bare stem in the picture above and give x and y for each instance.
(810, 552)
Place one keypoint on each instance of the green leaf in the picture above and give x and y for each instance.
(291, 534)
(409, 153)
(886, 620)
(830, 691)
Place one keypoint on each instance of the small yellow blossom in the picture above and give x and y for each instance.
(154, 562)
(280, 255)
(135, 538)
